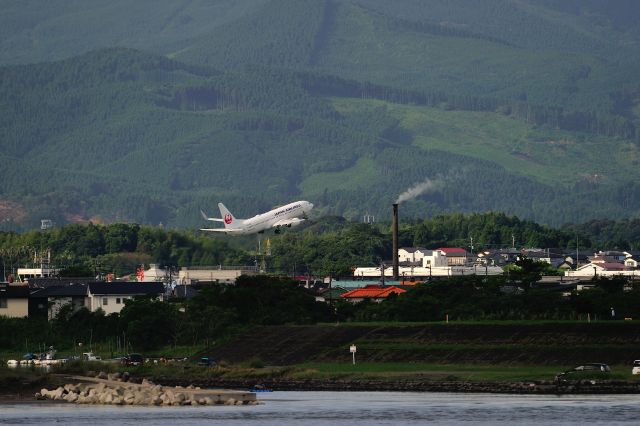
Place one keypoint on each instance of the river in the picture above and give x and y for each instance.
(352, 408)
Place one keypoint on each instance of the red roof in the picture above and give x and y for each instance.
(611, 266)
(372, 292)
(453, 250)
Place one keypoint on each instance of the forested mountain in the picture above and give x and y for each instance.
(531, 107)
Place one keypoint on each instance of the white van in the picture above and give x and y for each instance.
(90, 356)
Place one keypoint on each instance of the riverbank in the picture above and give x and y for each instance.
(341, 385)
(25, 392)
(18, 386)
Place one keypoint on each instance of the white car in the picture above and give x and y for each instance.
(90, 356)
(636, 367)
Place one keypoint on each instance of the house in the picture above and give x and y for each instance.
(606, 269)
(617, 256)
(510, 255)
(456, 256)
(491, 257)
(604, 259)
(573, 259)
(631, 262)
(435, 259)
(14, 300)
(547, 256)
(374, 293)
(110, 297)
(37, 283)
(52, 299)
(220, 274)
(330, 294)
(411, 255)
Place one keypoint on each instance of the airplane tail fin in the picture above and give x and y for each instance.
(229, 220)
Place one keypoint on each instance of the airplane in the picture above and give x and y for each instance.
(283, 217)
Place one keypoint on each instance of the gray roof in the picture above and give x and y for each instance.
(412, 249)
(61, 291)
(14, 291)
(58, 281)
(133, 288)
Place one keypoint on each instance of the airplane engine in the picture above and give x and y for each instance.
(294, 222)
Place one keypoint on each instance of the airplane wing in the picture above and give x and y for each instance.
(288, 222)
(225, 230)
(213, 219)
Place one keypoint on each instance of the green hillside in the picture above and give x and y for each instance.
(531, 107)
(36, 31)
(498, 48)
(551, 156)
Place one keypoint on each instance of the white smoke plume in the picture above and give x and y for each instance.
(419, 188)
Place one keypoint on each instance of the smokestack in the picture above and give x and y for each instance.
(394, 231)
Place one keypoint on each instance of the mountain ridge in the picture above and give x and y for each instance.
(347, 102)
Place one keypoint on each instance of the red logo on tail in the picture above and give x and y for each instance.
(228, 219)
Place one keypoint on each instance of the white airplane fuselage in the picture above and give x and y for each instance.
(286, 216)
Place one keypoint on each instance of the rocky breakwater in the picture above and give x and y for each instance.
(117, 389)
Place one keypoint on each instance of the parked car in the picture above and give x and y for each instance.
(205, 361)
(636, 367)
(90, 356)
(582, 371)
(133, 359)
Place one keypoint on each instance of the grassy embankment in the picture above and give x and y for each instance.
(500, 351)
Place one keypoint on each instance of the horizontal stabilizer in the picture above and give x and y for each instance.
(213, 219)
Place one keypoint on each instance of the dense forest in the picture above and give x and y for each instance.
(527, 107)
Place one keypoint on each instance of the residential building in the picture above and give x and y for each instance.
(220, 274)
(456, 256)
(14, 300)
(110, 297)
(631, 262)
(52, 299)
(330, 294)
(547, 256)
(374, 293)
(434, 259)
(617, 256)
(606, 269)
(411, 254)
(604, 259)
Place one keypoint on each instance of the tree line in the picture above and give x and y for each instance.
(330, 245)
(218, 311)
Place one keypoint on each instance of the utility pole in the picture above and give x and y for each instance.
(577, 254)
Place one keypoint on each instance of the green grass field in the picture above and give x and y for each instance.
(461, 372)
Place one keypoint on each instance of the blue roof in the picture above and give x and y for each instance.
(362, 283)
